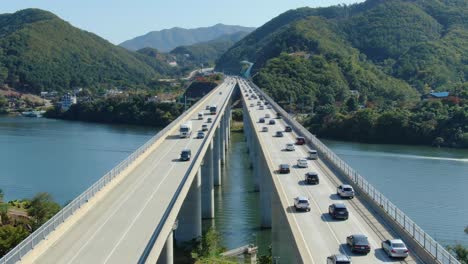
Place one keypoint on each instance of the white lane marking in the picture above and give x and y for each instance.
(136, 186)
(146, 204)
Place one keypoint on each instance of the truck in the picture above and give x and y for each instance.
(213, 109)
(185, 129)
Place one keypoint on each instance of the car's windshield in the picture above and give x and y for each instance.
(398, 245)
(184, 129)
(347, 189)
(303, 201)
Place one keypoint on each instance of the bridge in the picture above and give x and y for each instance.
(153, 200)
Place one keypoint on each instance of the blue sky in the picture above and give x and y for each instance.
(119, 20)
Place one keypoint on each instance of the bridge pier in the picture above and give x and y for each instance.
(207, 184)
(223, 140)
(167, 254)
(189, 219)
(217, 157)
(257, 163)
(265, 180)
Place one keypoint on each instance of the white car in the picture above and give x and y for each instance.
(290, 147)
(265, 129)
(302, 203)
(267, 115)
(345, 191)
(339, 259)
(302, 163)
(261, 107)
(395, 248)
(251, 105)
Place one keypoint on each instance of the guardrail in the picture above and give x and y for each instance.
(437, 251)
(42, 232)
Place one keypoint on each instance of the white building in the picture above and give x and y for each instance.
(67, 101)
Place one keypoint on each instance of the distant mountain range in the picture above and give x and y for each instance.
(168, 39)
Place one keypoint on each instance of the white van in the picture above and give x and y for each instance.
(200, 116)
(312, 154)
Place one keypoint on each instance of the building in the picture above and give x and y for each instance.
(436, 95)
(67, 101)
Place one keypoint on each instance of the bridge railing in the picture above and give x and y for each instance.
(437, 251)
(42, 232)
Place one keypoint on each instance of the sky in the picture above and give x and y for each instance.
(120, 20)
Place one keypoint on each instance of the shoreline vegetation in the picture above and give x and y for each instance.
(19, 218)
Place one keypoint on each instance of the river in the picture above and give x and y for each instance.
(64, 158)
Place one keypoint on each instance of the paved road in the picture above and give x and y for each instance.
(119, 226)
(322, 235)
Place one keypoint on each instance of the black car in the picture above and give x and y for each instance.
(272, 122)
(312, 178)
(279, 133)
(261, 120)
(287, 129)
(185, 155)
(358, 243)
(284, 168)
(338, 211)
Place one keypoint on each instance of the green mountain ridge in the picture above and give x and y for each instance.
(39, 51)
(387, 50)
(169, 39)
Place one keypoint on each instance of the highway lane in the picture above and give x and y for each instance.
(322, 235)
(118, 228)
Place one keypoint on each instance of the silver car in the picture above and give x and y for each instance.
(302, 163)
(339, 259)
(302, 203)
(345, 191)
(395, 248)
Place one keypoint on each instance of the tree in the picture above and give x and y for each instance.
(352, 104)
(10, 236)
(42, 209)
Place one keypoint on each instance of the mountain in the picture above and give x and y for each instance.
(387, 50)
(206, 52)
(168, 39)
(39, 51)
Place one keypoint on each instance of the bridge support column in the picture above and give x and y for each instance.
(167, 254)
(265, 191)
(222, 135)
(257, 167)
(189, 220)
(207, 184)
(217, 157)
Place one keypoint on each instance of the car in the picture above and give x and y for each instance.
(302, 163)
(204, 127)
(259, 103)
(358, 244)
(284, 168)
(278, 115)
(267, 115)
(200, 134)
(209, 120)
(251, 105)
(185, 155)
(207, 107)
(200, 116)
(301, 203)
(279, 133)
(339, 259)
(395, 248)
(261, 120)
(265, 129)
(261, 107)
(312, 154)
(338, 211)
(300, 141)
(312, 178)
(345, 191)
(290, 147)
(287, 129)
(220, 92)
(268, 106)
(272, 122)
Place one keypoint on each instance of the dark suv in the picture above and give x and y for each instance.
(284, 169)
(287, 129)
(312, 178)
(338, 211)
(185, 155)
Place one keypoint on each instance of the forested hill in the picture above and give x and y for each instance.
(386, 49)
(40, 51)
